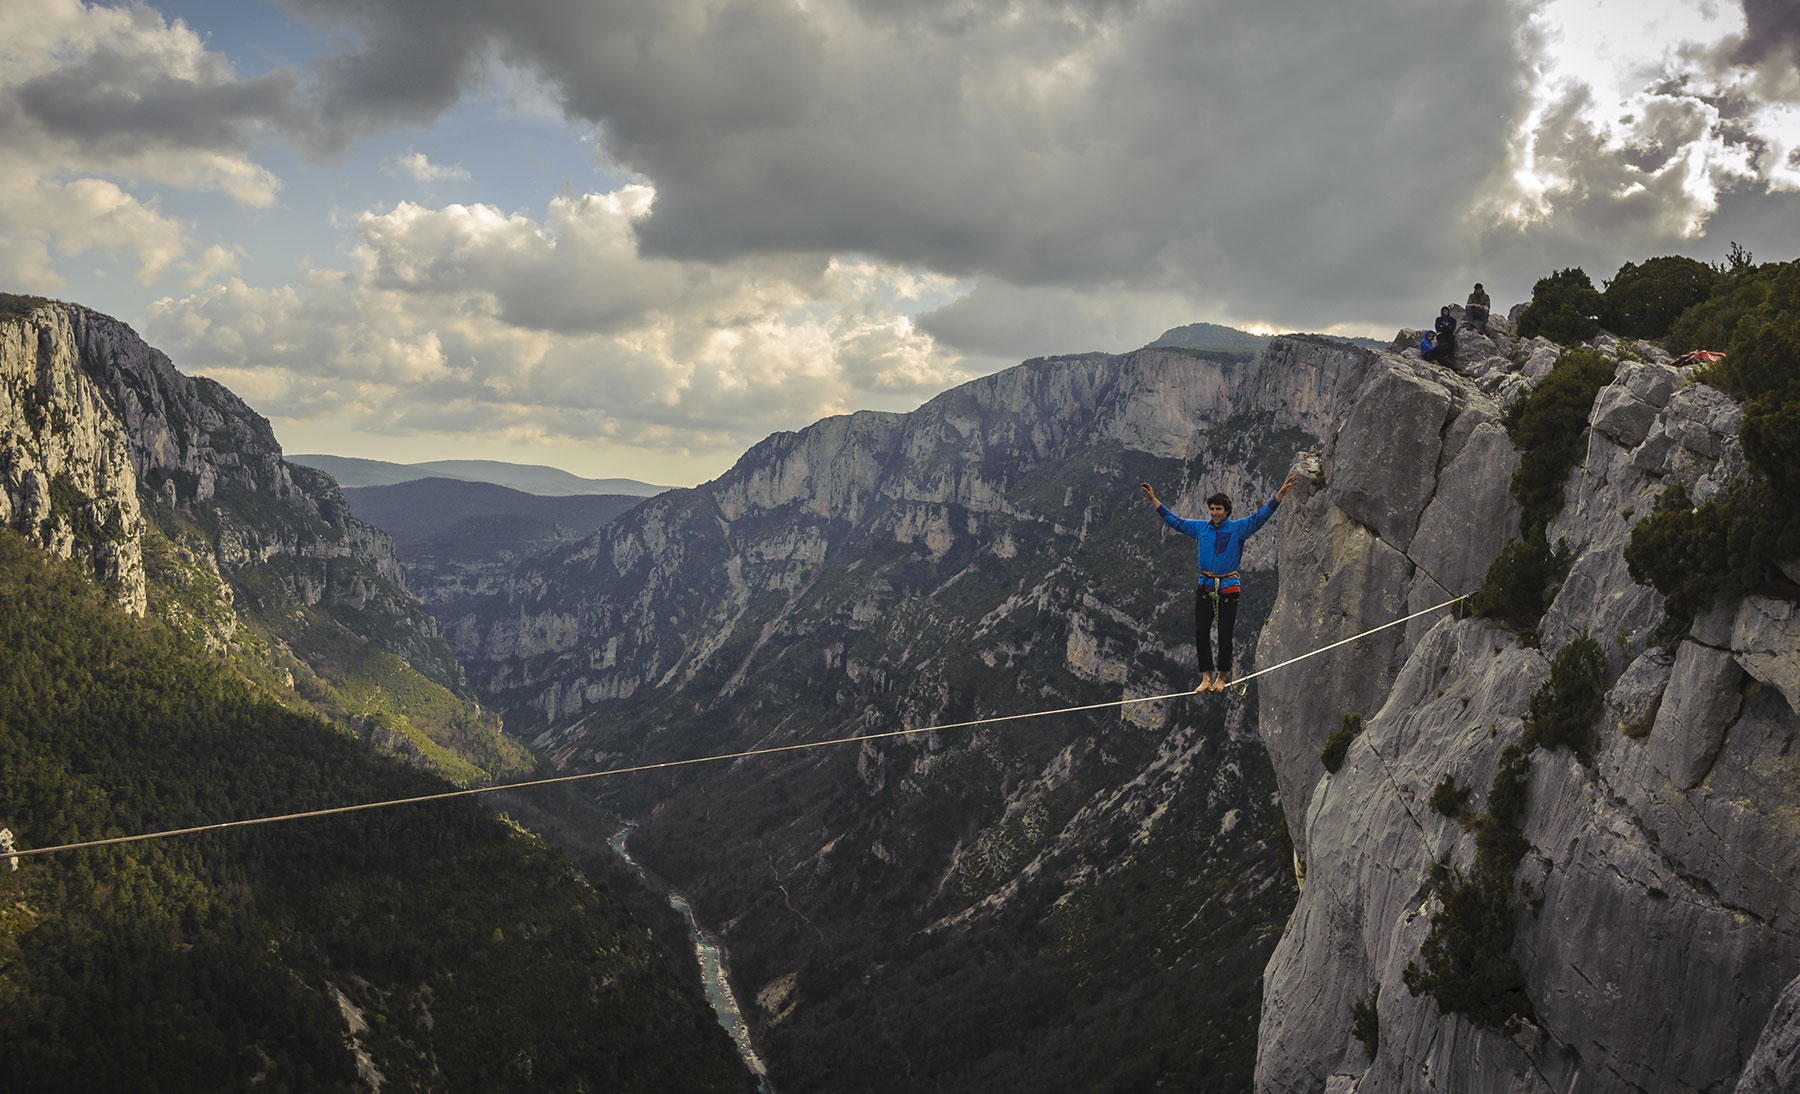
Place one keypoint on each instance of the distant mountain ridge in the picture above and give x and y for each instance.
(1210, 336)
(354, 471)
(422, 510)
(1213, 338)
(456, 537)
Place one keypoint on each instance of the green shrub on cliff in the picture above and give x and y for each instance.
(1468, 966)
(1332, 756)
(1710, 323)
(1521, 582)
(1365, 1021)
(1450, 799)
(1565, 307)
(1562, 712)
(1645, 301)
(1547, 425)
(1733, 544)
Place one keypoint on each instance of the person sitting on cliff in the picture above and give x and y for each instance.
(1476, 310)
(1441, 349)
(1444, 324)
(1221, 548)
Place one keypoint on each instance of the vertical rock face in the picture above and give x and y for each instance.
(103, 444)
(1664, 920)
(67, 481)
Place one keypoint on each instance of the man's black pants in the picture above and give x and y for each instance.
(1203, 621)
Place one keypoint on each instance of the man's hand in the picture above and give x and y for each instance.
(1282, 493)
(1149, 493)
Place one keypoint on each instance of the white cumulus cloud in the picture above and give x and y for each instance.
(462, 318)
(97, 102)
(419, 166)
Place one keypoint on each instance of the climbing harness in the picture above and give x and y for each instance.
(1215, 587)
(666, 764)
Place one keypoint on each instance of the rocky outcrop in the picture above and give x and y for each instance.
(104, 443)
(1657, 914)
(67, 481)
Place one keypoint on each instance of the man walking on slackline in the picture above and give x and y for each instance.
(1221, 548)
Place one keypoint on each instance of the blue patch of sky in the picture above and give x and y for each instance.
(512, 156)
(259, 36)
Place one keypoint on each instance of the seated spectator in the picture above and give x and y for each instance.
(1441, 348)
(1477, 309)
(1446, 323)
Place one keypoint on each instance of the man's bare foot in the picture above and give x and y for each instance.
(1205, 683)
(1222, 681)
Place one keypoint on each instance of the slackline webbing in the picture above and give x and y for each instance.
(25, 852)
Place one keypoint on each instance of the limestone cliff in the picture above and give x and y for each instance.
(67, 481)
(175, 494)
(1660, 921)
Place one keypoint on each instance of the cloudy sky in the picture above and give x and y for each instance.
(632, 237)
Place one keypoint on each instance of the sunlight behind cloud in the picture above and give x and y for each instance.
(1632, 103)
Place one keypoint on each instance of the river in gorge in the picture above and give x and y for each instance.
(711, 956)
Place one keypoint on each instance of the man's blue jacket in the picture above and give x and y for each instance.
(1221, 546)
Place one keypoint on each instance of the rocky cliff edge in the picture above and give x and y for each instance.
(1656, 925)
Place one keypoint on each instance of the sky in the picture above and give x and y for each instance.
(634, 237)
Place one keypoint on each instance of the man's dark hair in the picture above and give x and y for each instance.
(1220, 499)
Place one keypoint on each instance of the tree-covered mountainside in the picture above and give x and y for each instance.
(434, 944)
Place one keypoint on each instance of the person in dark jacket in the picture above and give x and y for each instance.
(1220, 549)
(1476, 310)
(1445, 323)
(1442, 351)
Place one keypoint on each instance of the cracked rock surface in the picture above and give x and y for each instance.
(1661, 947)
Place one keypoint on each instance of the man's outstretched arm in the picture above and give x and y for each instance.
(1185, 527)
(1261, 516)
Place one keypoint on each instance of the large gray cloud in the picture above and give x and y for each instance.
(1252, 155)
(1772, 28)
(123, 102)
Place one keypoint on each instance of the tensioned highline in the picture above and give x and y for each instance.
(771, 750)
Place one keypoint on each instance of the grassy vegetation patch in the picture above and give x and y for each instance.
(1365, 1022)
(1733, 544)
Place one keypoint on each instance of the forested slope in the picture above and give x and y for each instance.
(427, 946)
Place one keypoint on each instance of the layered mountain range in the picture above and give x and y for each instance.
(1293, 888)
